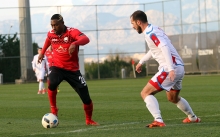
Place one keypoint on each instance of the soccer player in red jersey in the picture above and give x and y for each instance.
(65, 42)
(170, 71)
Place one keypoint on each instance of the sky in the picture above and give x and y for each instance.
(83, 17)
(14, 3)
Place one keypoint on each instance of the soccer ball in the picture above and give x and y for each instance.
(50, 120)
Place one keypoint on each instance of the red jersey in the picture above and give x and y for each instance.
(49, 55)
(60, 45)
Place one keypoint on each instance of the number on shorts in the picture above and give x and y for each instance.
(82, 80)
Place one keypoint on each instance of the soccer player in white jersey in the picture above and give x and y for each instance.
(40, 71)
(170, 71)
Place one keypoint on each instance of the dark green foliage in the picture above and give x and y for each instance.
(111, 68)
(10, 61)
(10, 45)
(35, 46)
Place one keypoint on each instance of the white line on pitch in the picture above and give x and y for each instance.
(129, 123)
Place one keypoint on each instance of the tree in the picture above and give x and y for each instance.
(35, 46)
(10, 57)
(10, 61)
(111, 68)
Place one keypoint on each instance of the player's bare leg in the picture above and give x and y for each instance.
(183, 105)
(152, 105)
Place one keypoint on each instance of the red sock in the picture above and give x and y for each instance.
(52, 98)
(88, 110)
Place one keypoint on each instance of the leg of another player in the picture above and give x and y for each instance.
(152, 105)
(40, 86)
(39, 89)
(183, 105)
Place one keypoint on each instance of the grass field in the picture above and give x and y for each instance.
(118, 107)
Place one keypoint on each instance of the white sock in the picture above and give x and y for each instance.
(153, 107)
(41, 85)
(184, 106)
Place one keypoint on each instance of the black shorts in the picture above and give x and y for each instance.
(75, 79)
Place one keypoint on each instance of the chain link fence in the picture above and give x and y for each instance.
(192, 26)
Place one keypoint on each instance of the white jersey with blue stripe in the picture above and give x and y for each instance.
(156, 39)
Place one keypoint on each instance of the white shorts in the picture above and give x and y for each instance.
(40, 74)
(161, 81)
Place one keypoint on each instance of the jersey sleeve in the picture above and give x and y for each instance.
(47, 43)
(33, 63)
(158, 39)
(167, 55)
(146, 57)
(79, 37)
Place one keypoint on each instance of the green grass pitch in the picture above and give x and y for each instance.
(118, 107)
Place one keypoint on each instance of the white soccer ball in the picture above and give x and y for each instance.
(50, 120)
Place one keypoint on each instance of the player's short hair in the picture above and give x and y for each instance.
(57, 17)
(139, 15)
(39, 47)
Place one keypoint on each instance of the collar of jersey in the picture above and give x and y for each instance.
(149, 29)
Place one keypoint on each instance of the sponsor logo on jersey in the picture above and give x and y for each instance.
(61, 49)
(54, 40)
(65, 39)
(49, 56)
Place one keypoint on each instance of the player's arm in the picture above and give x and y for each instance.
(145, 58)
(167, 55)
(160, 42)
(47, 43)
(33, 63)
(80, 39)
(158, 38)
